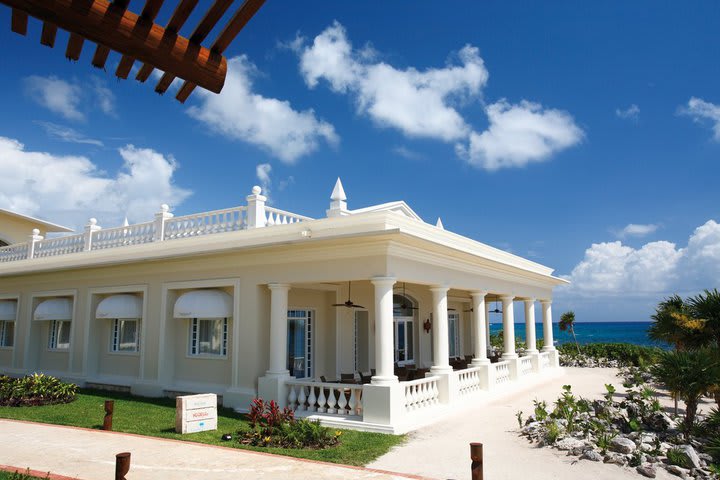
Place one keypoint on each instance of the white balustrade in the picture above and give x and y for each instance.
(11, 253)
(51, 247)
(526, 366)
(468, 380)
(544, 360)
(325, 398)
(502, 372)
(121, 236)
(218, 221)
(281, 217)
(421, 393)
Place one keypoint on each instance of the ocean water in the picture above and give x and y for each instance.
(592, 332)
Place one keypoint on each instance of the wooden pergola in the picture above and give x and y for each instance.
(138, 38)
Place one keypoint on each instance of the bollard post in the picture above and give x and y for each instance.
(476, 455)
(122, 465)
(107, 421)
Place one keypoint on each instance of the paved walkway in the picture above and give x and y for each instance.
(90, 455)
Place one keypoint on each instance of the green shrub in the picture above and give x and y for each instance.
(604, 440)
(552, 432)
(677, 457)
(625, 353)
(35, 389)
(17, 475)
(272, 427)
(541, 412)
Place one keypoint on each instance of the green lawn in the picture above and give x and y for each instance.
(19, 475)
(155, 417)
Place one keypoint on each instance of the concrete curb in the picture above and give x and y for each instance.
(36, 473)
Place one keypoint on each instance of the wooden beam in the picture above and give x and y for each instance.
(243, 15)
(47, 37)
(122, 32)
(177, 20)
(19, 21)
(101, 51)
(212, 16)
(149, 12)
(74, 47)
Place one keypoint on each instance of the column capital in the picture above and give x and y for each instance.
(278, 286)
(478, 293)
(507, 297)
(545, 301)
(530, 300)
(383, 281)
(439, 289)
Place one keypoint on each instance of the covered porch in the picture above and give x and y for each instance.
(395, 355)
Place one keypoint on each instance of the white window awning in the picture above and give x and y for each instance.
(124, 305)
(8, 310)
(54, 309)
(204, 304)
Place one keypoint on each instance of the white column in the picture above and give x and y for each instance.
(487, 329)
(441, 348)
(256, 209)
(278, 329)
(479, 327)
(508, 327)
(547, 326)
(530, 326)
(384, 345)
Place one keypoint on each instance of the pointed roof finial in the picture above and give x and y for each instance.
(439, 224)
(125, 222)
(338, 192)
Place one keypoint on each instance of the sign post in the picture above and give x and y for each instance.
(196, 413)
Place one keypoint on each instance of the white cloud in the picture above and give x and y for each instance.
(67, 134)
(406, 153)
(637, 230)
(418, 103)
(262, 171)
(56, 95)
(657, 268)
(630, 113)
(104, 97)
(701, 111)
(520, 134)
(70, 189)
(271, 124)
(425, 104)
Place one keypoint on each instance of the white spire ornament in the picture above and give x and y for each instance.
(338, 201)
(439, 224)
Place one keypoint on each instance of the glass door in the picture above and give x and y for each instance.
(299, 343)
(404, 340)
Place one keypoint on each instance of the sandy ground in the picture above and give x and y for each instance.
(442, 450)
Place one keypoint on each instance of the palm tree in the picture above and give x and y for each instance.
(567, 322)
(705, 309)
(688, 375)
(674, 324)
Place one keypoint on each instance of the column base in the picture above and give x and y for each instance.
(547, 348)
(534, 351)
(389, 380)
(476, 362)
(272, 387)
(441, 370)
(509, 356)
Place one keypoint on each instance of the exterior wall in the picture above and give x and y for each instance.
(17, 230)
(6, 357)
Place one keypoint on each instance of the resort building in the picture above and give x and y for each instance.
(368, 318)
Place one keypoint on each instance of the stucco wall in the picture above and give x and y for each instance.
(16, 230)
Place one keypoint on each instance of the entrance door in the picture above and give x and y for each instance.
(404, 336)
(299, 343)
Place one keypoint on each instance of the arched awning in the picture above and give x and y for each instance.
(54, 309)
(204, 304)
(8, 310)
(122, 305)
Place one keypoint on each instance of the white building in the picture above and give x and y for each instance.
(368, 318)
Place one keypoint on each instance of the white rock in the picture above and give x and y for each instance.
(622, 445)
(569, 444)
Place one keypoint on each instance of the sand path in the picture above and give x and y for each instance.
(442, 450)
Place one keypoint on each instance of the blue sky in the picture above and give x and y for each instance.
(585, 136)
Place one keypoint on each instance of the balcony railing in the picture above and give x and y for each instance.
(163, 228)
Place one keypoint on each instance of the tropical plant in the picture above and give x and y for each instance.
(624, 353)
(674, 324)
(677, 457)
(604, 440)
(688, 375)
(519, 416)
(35, 389)
(567, 323)
(705, 308)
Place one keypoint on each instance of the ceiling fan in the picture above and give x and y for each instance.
(349, 303)
(496, 310)
(404, 305)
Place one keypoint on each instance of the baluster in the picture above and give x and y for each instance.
(353, 403)
(312, 399)
(322, 400)
(292, 398)
(302, 399)
(408, 398)
(331, 401)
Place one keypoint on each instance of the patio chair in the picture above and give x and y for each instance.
(347, 378)
(365, 377)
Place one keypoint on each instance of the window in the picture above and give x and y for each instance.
(126, 335)
(299, 343)
(208, 337)
(404, 322)
(7, 333)
(59, 335)
(454, 334)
